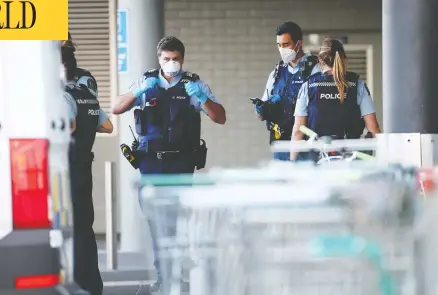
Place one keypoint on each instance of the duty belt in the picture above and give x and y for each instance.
(160, 154)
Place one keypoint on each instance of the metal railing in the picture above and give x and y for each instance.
(110, 216)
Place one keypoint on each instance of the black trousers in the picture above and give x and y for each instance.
(86, 265)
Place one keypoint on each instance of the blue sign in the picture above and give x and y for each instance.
(122, 40)
(123, 59)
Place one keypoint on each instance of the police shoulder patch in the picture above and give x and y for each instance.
(312, 60)
(191, 76)
(352, 76)
(91, 84)
(151, 72)
(281, 64)
(277, 70)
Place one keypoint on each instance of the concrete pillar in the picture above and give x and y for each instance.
(145, 27)
(410, 62)
(410, 102)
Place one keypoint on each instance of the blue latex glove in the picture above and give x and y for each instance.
(259, 109)
(193, 89)
(275, 98)
(149, 83)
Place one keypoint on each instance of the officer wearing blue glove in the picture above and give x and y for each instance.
(167, 103)
(283, 84)
(334, 102)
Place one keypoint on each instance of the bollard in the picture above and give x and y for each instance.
(110, 216)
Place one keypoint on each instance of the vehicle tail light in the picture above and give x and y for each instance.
(427, 180)
(30, 183)
(42, 281)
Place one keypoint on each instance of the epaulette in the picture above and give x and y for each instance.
(307, 66)
(276, 70)
(151, 72)
(70, 86)
(352, 75)
(189, 77)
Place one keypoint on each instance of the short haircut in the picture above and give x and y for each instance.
(171, 43)
(292, 29)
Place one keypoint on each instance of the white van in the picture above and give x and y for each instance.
(36, 249)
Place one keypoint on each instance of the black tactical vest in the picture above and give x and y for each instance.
(176, 125)
(86, 121)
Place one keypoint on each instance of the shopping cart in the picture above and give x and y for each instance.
(264, 231)
(325, 149)
(425, 237)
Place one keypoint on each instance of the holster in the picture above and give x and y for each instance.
(272, 111)
(200, 155)
(149, 115)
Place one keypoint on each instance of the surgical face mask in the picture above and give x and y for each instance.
(287, 55)
(171, 68)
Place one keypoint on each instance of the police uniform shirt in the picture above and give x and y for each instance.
(163, 83)
(292, 70)
(73, 108)
(364, 100)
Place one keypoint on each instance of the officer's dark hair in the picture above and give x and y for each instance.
(69, 62)
(333, 55)
(292, 29)
(68, 43)
(170, 43)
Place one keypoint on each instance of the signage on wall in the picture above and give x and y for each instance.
(122, 40)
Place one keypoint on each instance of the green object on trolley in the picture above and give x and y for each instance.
(176, 180)
(307, 131)
(237, 176)
(364, 156)
(312, 134)
(353, 246)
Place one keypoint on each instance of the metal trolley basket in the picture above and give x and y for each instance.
(328, 230)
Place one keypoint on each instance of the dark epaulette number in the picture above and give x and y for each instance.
(189, 77)
(277, 70)
(151, 72)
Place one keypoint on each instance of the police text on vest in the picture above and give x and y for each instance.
(331, 96)
(94, 112)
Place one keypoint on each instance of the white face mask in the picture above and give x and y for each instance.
(171, 68)
(287, 55)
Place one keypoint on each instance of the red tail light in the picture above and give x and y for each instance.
(43, 281)
(30, 183)
(426, 180)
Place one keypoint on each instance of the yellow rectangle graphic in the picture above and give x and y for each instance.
(34, 20)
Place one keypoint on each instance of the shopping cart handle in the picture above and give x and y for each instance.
(307, 131)
(363, 156)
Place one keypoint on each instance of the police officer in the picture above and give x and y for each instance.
(283, 84)
(86, 118)
(169, 101)
(334, 102)
(81, 76)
